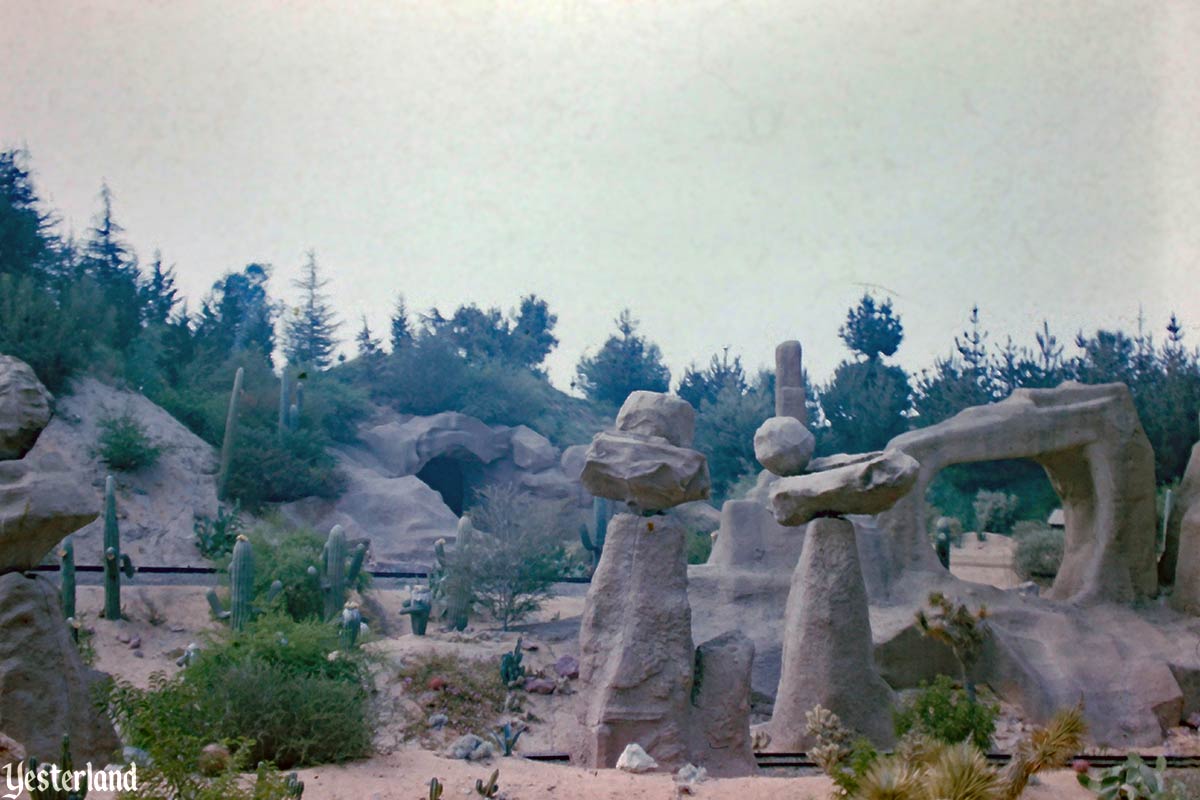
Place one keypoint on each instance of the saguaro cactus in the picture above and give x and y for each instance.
(600, 526)
(338, 571)
(450, 583)
(227, 443)
(241, 588)
(418, 607)
(114, 561)
(284, 405)
(66, 572)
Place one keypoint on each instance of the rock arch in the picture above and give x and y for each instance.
(1091, 444)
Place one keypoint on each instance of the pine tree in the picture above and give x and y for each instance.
(310, 334)
(627, 362)
(113, 265)
(401, 329)
(158, 293)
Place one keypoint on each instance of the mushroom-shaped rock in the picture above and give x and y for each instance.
(647, 473)
(37, 509)
(658, 414)
(24, 408)
(868, 487)
(784, 445)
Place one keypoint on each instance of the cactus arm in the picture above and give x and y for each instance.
(214, 603)
(356, 563)
(66, 557)
(275, 590)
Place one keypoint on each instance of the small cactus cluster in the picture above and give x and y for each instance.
(435, 789)
(451, 587)
(595, 545)
(489, 789)
(227, 443)
(241, 588)
(418, 607)
(338, 571)
(351, 625)
(114, 561)
(512, 673)
(65, 766)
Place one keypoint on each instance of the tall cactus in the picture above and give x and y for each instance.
(284, 405)
(227, 444)
(338, 571)
(450, 583)
(600, 526)
(241, 588)
(66, 560)
(114, 561)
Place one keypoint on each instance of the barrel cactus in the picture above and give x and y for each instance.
(115, 562)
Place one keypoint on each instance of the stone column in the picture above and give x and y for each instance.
(789, 382)
(828, 656)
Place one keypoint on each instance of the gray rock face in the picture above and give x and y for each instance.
(531, 450)
(37, 509)
(868, 487)
(783, 445)
(648, 473)
(1183, 499)
(827, 647)
(721, 706)
(657, 414)
(24, 407)
(45, 689)
(636, 646)
(404, 447)
(749, 538)
(1186, 595)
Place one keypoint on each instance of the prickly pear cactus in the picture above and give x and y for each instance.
(114, 562)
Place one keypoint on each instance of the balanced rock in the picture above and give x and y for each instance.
(658, 414)
(24, 407)
(648, 473)
(827, 648)
(784, 445)
(37, 509)
(635, 640)
(868, 487)
(47, 690)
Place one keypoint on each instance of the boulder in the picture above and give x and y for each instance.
(827, 647)
(647, 472)
(37, 509)
(11, 751)
(783, 445)
(24, 407)
(721, 706)
(749, 538)
(658, 414)
(531, 450)
(573, 460)
(868, 487)
(46, 691)
(698, 516)
(636, 760)
(636, 654)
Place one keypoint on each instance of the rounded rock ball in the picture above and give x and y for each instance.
(784, 446)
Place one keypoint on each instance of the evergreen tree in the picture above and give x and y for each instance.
(310, 333)
(698, 386)
(27, 243)
(238, 314)
(401, 330)
(533, 332)
(872, 329)
(370, 350)
(158, 294)
(626, 363)
(112, 264)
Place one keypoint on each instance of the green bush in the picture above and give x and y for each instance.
(944, 712)
(271, 691)
(699, 547)
(216, 536)
(1039, 550)
(270, 469)
(124, 444)
(995, 512)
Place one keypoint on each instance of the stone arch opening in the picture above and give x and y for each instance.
(455, 476)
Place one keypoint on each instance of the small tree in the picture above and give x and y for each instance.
(401, 330)
(626, 363)
(312, 332)
(517, 553)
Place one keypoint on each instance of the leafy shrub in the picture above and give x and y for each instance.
(699, 547)
(1039, 550)
(270, 469)
(271, 690)
(470, 695)
(517, 554)
(1135, 780)
(995, 512)
(215, 537)
(125, 445)
(944, 712)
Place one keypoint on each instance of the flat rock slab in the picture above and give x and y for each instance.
(648, 473)
(868, 487)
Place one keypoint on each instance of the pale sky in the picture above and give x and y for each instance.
(735, 173)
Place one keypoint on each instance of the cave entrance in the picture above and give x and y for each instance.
(993, 506)
(455, 477)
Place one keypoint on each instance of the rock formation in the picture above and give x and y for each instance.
(783, 445)
(1186, 595)
(644, 471)
(1185, 497)
(37, 509)
(658, 414)
(720, 719)
(1092, 445)
(24, 407)
(867, 487)
(45, 689)
(789, 382)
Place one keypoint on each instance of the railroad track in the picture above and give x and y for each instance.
(802, 761)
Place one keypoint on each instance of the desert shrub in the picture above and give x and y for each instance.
(995, 512)
(466, 690)
(517, 552)
(271, 691)
(269, 469)
(216, 536)
(944, 712)
(124, 444)
(333, 405)
(1039, 550)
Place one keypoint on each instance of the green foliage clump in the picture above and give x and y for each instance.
(625, 363)
(215, 536)
(699, 547)
(725, 432)
(1039, 550)
(995, 512)
(1135, 780)
(271, 692)
(946, 713)
(124, 444)
(465, 690)
(268, 468)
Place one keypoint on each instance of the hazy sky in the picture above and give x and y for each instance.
(735, 173)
